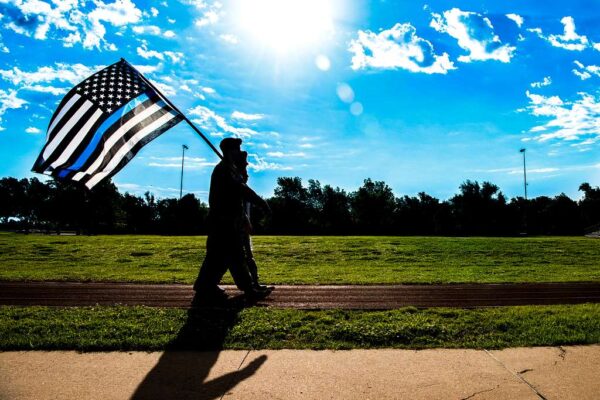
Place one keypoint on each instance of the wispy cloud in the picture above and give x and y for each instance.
(397, 47)
(9, 100)
(571, 121)
(33, 130)
(217, 124)
(280, 154)
(569, 40)
(153, 30)
(175, 162)
(586, 71)
(474, 33)
(174, 56)
(69, 21)
(257, 164)
(516, 18)
(246, 117)
(544, 82)
(158, 191)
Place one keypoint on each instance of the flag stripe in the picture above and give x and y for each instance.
(45, 163)
(124, 150)
(110, 121)
(145, 140)
(117, 137)
(74, 144)
(66, 128)
(61, 113)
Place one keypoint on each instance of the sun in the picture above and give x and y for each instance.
(286, 25)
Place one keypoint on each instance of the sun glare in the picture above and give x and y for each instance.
(286, 25)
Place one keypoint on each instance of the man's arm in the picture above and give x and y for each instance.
(251, 196)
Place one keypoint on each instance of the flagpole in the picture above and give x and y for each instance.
(185, 118)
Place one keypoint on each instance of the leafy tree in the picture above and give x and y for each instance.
(291, 213)
(590, 206)
(373, 206)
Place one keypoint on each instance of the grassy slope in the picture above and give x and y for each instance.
(141, 328)
(306, 260)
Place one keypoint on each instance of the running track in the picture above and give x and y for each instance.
(380, 297)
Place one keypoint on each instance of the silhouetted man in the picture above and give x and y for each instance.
(224, 248)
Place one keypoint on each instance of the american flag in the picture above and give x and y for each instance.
(102, 123)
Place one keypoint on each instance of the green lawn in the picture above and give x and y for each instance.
(306, 259)
(143, 328)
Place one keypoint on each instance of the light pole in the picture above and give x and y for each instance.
(183, 149)
(524, 172)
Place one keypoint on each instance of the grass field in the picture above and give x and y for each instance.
(142, 328)
(305, 259)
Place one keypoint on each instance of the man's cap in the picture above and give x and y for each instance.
(229, 144)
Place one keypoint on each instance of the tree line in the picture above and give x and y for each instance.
(299, 209)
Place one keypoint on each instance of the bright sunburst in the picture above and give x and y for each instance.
(286, 25)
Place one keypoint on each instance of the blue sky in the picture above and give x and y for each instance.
(420, 95)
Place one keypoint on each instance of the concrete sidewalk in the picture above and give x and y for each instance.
(571, 372)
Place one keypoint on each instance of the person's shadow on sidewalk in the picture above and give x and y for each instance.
(182, 370)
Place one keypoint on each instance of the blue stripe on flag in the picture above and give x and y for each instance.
(133, 103)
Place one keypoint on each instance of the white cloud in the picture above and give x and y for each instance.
(45, 78)
(216, 124)
(209, 18)
(585, 72)
(69, 21)
(9, 100)
(571, 121)
(208, 90)
(474, 33)
(62, 72)
(147, 30)
(257, 164)
(229, 38)
(174, 56)
(246, 117)
(175, 162)
(544, 82)
(158, 191)
(166, 89)
(47, 89)
(516, 18)
(280, 154)
(210, 13)
(397, 47)
(153, 11)
(148, 69)
(33, 130)
(152, 30)
(569, 40)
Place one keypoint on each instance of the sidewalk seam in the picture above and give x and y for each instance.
(537, 392)
(238, 368)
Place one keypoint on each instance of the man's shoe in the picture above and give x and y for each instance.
(209, 296)
(257, 294)
(258, 286)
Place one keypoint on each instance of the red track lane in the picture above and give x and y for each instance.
(373, 297)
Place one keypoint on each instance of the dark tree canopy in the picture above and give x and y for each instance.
(373, 209)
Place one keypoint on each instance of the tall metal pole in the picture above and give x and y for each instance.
(524, 173)
(183, 149)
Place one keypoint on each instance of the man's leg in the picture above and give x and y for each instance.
(214, 265)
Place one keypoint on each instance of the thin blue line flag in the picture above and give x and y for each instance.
(102, 123)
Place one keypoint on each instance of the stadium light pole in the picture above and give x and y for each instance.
(524, 172)
(183, 149)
